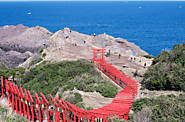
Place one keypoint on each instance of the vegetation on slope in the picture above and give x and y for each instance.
(6, 115)
(49, 77)
(167, 71)
(168, 108)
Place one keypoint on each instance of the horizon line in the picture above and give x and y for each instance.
(92, 0)
(83, 0)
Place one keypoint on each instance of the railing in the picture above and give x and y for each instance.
(36, 108)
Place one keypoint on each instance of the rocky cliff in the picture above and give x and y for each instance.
(18, 43)
(119, 45)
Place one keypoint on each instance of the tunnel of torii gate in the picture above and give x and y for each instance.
(36, 108)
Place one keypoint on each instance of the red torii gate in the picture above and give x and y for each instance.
(98, 51)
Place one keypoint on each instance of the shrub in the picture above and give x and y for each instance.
(44, 55)
(163, 108)
(41, 50)
(80, 105)
(148, 56)
(35, 61)
(74, 98)
(167, 71)
(78, 97)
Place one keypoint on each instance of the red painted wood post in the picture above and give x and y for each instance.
(7, 90)
(62, 109)
(2, 87)
(39, 113)
(46, 101)
(79, 117)
(92, 119)
(74, 117)
(82, 118)
(67, 109)
(63, 114)
(10, 92)
(43, 108)
(23, 102)
(38, 105)
(31, 100)
(126, 117)
(67, 114)
(15, 92)
(58, 109)
(93, 56)
(26, 102)
(18, 94)
(13, 102)
(55, 113)
(104, 119)
(16, 107)
(47, 113)
(32, 112)
(71, 118)
(103, 55)
(36, 110)
(87, 118)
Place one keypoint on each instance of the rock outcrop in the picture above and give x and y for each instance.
(62, 37)
(18, 43)
(16, 40)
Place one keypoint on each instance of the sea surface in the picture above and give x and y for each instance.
(153, 26)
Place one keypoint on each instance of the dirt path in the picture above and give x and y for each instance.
(123, 61)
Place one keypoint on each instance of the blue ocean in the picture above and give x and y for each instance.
(153, 26)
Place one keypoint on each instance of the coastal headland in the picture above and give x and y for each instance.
(54, 63)
(20, 46)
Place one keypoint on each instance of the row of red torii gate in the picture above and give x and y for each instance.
(38, 108)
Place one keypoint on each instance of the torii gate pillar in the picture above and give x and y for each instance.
(98, 51)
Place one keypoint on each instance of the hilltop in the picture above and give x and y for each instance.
(32, 47)
(18, 43)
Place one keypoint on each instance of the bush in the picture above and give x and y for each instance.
(74, 98)
(35, 61)
(80, 105)
(167, 71)
(163, 108)
(148, 56)
(78, 97)
(44, 55)
(41, 50)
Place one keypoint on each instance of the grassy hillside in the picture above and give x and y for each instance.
(167, 71)
(49, 77)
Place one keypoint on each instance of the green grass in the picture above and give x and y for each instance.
(14, 118)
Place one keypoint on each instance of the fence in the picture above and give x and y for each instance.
(36, 108)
